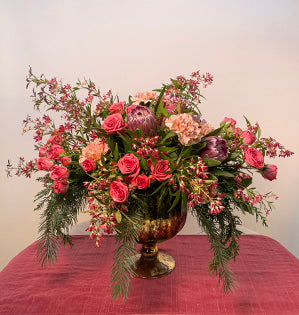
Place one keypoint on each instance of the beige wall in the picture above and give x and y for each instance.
(251, 47)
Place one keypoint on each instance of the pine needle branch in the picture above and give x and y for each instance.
(60, 212)
(222, 234)
(122, 270)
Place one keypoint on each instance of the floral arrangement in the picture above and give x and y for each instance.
(103, 156)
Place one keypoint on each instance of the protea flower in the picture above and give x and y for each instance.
(143, 117)
(215, 149)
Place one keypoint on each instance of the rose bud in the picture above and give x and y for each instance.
(216, 149)
(42, 152)
(248, 137)
(270, 172)
(143, 117)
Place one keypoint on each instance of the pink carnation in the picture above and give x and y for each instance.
(185, 127)
(205, 128)
(94, 151)
(143, 97)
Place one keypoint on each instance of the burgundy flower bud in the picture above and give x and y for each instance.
(216, 149)
(143, 117)
(270, 172)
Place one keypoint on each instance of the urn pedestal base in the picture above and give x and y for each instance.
(151, 263)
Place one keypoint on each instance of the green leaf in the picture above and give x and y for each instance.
(233, 156)
(164, 112)
(213, 133)
(160, 104)
(103, 159)
(259, 132)
(115, 154)
(222, 173)
(176, 200)
(184, 200)
(247, 121)
(246, 182)
(118, 216)
(143, 164)
(167, 149)
(168, 136)
(211, 162)
(158, 189)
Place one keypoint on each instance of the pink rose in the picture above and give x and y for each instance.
(61, 187)
(117, 108)
(230, 121)
(42, 152)
(254, 157)
(141, 181)
(113, 123)
(158, 172)
(248, 137)
(44, 164)
(129, 164)
(270, 172)
(119, 191)
(55, 151)
(55, 139)
(89, 165)
(59, 173)
(65, 161)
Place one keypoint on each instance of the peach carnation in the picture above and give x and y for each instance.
(205, 128)
(185, 127)
(143, 97)
(94, 151)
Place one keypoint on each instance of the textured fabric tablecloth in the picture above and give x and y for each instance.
(267, 273)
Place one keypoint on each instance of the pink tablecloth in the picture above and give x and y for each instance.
(267, 273)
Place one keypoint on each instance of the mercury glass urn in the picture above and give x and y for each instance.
(159, 225)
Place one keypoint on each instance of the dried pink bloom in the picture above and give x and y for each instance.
(142, 116)
(185, 127)
(270, 172)
(216, 149)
